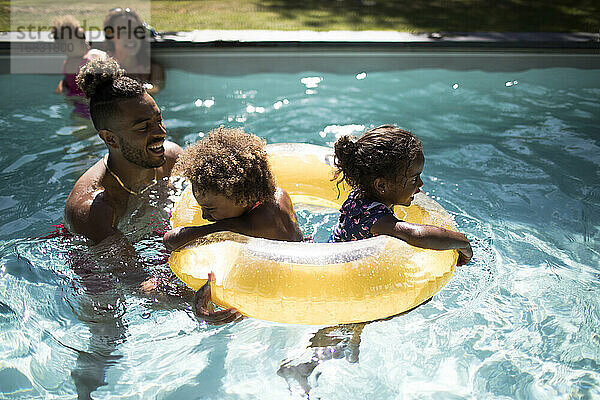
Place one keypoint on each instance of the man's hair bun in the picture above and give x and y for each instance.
(98, 73)
(105, 83)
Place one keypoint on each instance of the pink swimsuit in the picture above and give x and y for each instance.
(73, 91)
(73, 88)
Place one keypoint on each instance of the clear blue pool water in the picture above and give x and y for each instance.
(513, 156)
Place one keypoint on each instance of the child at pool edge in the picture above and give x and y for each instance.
(70, 37)
(383, 167)
(232, 182)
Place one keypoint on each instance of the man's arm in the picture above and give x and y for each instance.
(91, 216)
(93, 219)
(203, 310)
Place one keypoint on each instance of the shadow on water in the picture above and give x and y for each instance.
(104, 306)
(443, 15)
(79, 288)
(214, 374)
(101, 310)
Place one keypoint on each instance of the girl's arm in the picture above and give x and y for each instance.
(243, 225)
(60, 87)
(179, 237)
(425, 236)
(276, 222)
(203, 310)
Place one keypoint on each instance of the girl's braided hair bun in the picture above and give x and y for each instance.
(345, 152)
(381, 152)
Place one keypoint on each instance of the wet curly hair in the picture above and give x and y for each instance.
(231, 163)
(379, 153)
(104, 82)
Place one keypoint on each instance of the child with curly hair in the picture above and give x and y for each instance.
(384, 168)
(233, 184)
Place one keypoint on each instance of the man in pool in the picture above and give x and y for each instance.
(130, 124)
(117, 191)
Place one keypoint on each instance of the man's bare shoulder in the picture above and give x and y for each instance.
(88, 211)
(87, 184)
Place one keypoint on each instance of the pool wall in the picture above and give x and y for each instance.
(248, 52)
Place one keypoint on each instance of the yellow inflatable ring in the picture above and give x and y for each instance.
(314, 283)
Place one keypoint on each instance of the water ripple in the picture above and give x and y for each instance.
(516, 165)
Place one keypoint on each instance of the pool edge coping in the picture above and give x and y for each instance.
(540, 41)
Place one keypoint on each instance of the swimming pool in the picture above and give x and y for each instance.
(512, 155)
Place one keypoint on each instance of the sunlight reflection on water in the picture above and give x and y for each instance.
(516, 165)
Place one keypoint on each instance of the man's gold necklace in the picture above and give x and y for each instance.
(105, 159)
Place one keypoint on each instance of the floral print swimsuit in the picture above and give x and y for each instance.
(357, 217)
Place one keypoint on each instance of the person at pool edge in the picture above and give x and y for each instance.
(127, 40)
(70, 37)
(383, 167)
(130, 124)
(233, 184)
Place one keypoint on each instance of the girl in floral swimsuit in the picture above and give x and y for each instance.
(383, 167)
